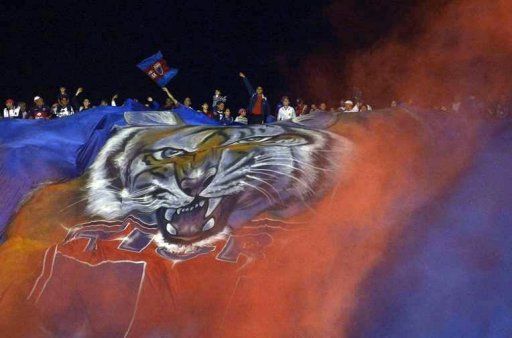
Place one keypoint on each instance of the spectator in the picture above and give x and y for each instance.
(259, 107)
(40, 110)
(226, 118)
(286, 112)
(323, 106)
(103, 103)
(314, 108)
(218, 113)
(113, 102)
(394, 104)
(86, 104)
(187, 102)
(205, 109)
(349, 107)
(217, 97)
(23, 110)
(75, 102)
(299, 106)
(341, 108)
(242, 116)
(152, 103)
(168, 103)
(62, 92)
(11, 111)
(305, 110)
(63, 108)
(174, 102)
(361, 106)
(279, 105)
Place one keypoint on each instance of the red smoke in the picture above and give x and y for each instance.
(436, 52)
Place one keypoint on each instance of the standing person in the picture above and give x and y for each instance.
(227, 119)
(305, 110)
(11, 111)
(242, 116)
(217, 97)
(259, 107)
(341, 108)
(40, 110)
(62, 92)
(75, 102)
(279, 105)
(176, 103)
(113, 102)
(218, 114)
(205, 109)
(86, 104)
(299, 106)
(286, 112)
(63, 108)
(23, 110)
(153, 104)
(168, 104)
(349, 107)
(187, 102)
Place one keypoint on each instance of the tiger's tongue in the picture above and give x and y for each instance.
(196, 217)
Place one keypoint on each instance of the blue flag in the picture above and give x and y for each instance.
(157, 69)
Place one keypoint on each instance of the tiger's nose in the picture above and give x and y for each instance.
(196, 181)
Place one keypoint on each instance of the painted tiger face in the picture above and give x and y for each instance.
(197, 183)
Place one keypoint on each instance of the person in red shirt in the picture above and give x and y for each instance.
(259, 107)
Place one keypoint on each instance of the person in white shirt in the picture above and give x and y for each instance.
(242, 116)
(64, 108)
(349, 107)
(286, 112)
(10, 110)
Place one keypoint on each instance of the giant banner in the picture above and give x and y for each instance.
(362, 225)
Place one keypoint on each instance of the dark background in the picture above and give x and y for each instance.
(97, 45)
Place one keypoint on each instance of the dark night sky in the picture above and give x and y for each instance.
(97, 44)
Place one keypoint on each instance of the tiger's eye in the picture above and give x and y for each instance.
(168, 153)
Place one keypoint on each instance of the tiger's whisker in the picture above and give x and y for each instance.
(265, 182)
(260, 190)
(288, 175)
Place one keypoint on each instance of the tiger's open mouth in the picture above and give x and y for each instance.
(190, 222)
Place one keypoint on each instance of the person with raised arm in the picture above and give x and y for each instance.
(259, 107)
(113, 102)
(174, 102)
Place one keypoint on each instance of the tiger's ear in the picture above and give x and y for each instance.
(316, 120)
(153, 118)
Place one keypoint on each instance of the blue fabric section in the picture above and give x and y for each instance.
(192, 117)
(36, 151)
